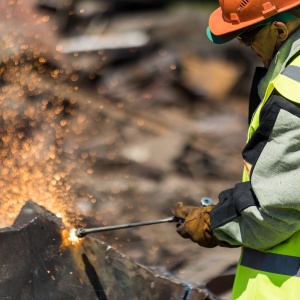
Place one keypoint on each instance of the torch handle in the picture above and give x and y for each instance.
(81, 232)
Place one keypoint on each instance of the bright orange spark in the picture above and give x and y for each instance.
(70, 238)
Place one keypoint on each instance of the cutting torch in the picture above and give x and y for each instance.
(82, 232)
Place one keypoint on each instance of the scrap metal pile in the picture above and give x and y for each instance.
(46, 263)
(111, 115)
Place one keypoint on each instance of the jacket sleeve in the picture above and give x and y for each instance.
(265, 211)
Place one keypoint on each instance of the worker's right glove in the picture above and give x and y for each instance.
(196, 225)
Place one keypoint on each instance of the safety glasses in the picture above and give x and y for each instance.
(247, 37)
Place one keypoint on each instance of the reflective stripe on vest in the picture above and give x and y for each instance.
(271, 262)
(273, 274)
(292, 72)
(287, 83)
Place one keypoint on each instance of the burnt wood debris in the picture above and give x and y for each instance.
(110, 113)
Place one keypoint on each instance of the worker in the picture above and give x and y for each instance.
(262, 212)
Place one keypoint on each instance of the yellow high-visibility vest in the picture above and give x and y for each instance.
(273, 274)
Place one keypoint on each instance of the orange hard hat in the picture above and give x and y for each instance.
(234, 15)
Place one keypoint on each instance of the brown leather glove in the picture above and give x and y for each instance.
(196, 225)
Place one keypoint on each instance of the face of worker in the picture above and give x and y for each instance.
(268, 41)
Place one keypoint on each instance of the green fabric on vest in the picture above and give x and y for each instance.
(252, 284)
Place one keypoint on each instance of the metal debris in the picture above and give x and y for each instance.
(38, 262)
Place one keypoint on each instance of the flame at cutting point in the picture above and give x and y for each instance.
(73, 237)
(70, 238)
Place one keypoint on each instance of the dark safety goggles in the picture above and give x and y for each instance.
(246, 38)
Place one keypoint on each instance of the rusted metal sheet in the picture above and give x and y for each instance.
(39, 262)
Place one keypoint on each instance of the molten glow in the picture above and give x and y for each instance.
(73, 238)
(70, 238)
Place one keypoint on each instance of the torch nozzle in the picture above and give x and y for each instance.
(82, 232)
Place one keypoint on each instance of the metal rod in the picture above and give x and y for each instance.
(81, 232)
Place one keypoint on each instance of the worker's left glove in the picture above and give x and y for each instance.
(196, 225)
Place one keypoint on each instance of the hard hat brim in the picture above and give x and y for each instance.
(225, 38)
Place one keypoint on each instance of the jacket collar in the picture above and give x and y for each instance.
(290, 48)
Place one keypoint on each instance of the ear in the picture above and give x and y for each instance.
(282, 30)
